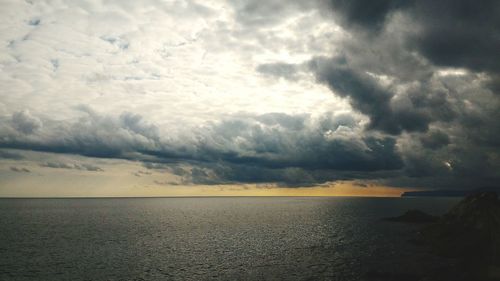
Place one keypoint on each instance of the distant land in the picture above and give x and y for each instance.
(446, 192)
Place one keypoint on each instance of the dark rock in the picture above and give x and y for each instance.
(390, 276)
(446, 192)
(470, 231)
(414, 216)
(436, 193)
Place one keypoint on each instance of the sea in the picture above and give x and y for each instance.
(212, 238)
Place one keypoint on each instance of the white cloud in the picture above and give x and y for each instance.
(182, 63)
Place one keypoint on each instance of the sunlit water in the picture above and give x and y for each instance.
(208, 238)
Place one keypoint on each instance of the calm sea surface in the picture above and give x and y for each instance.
(243, 238)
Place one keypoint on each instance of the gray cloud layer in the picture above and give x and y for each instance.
(269, 147)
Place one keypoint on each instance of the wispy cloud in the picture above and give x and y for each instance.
(20, 169)
(70, 166)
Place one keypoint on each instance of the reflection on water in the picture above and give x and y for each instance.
(207, 238)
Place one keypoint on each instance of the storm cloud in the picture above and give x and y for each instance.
(404, 93)
(421, 71)
(261, 148)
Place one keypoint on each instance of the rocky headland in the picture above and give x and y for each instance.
(468, 234)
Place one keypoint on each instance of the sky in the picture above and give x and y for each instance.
(255, 97)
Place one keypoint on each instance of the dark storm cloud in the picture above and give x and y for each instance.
(460, 33)
(435, 139)
(287, 143)
(269, 147)
(238, 173)
(408, 100)
(92, 135)
(228, 173)
(287, 150)
(367, 96)
(480, 124)
(423, 164)
(457, 33)
(398, 67)
(365, 14)
(279, 141)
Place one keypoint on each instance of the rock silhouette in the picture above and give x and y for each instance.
(414, 216)
(471, 228)
(470, 232)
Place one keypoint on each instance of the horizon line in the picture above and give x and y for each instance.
(187, 196)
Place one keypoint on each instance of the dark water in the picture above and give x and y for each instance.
(208, 238)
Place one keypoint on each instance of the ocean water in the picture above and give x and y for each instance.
(236, 238)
